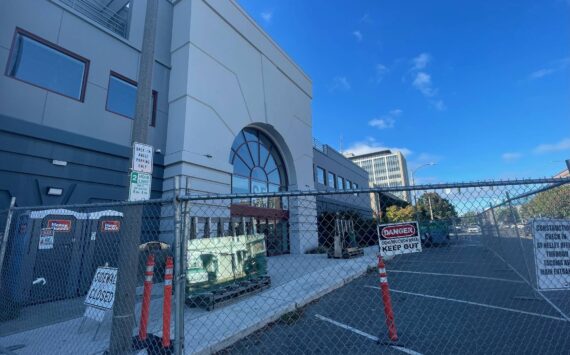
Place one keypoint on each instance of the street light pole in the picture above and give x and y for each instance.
(414, 181)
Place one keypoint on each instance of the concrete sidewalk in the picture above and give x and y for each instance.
(296, 281)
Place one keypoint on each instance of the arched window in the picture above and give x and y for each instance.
(258, 166)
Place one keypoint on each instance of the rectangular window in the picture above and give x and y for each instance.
(48, 66)
(331, 180)
(355, 186)
(348, 184)
(340, 183)
(122, 97)
(321, 175)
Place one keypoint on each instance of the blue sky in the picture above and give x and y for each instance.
(482, 88)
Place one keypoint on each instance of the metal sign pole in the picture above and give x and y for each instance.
(123, 312)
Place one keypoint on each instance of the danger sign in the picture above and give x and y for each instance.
(59, 225)
(110, 226)
(399, 238)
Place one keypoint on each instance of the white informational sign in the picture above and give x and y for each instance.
(399, 238)
(142, 158)
(46, 238)
(102, 291)
(139, 186)
(552, 253)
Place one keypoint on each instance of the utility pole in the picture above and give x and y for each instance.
(430, 209)
(124, 307)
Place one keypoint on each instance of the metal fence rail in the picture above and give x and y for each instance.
(295, 272)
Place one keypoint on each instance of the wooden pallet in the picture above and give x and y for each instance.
(216, 298)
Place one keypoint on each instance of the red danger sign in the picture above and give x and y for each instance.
(399, 231)
(59, 225)
(110, 226)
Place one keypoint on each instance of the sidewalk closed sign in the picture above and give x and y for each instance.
(552, 253)
(102, 291)
(399, 238)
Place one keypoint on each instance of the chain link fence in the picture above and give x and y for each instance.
(484, 270)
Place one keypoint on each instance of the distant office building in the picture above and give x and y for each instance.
(385, 169)
(334, 172)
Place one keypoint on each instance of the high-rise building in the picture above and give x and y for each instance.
(385, 169)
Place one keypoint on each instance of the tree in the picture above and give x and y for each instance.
(400, 214)
(440, 207)
(470, 217)
(554, 203)
(504, 215)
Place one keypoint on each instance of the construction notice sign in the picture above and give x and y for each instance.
(399, 238)
(102, 291)
(552, 253)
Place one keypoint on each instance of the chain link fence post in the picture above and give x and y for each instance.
(516, 228)
(6, 235)
(178, 269)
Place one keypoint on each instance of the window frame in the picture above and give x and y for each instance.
(119, 76)
(329, 173)
(21, 32)
(324, 175)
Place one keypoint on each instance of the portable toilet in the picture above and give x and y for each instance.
(104, 231)
(46, 268)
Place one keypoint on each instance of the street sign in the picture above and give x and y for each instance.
(102, 291)
(139, 186)
(142, 157)
(46, 238)
(399, 238)
(552, 253)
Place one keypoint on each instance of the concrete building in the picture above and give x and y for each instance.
(231, 111)
(385, 169)
(333, 172)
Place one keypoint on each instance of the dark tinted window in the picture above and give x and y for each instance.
(48, 66)
(122, 97)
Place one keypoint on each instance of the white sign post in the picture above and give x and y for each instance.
(140, 177)
(552, 253)
(142, 157)
(399, 238)
(139, 186)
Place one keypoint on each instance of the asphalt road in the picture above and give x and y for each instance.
(452, 299)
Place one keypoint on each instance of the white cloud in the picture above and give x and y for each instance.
(371, 145)
(423, 83)
(381, 71)
(511, 156)
(556, 66)
(340, 83)
(368, 20)
(385, 121)
(555, 147)
(439, 105)
(421, 61)
(267, 16)
(357, 35)
(382, 123)
(423, 158)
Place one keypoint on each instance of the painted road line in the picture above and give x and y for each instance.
(366, 335)
(458, 275)
(474, 304)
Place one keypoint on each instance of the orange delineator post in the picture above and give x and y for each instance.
(385, 289)
(167, 302)
(148, 274)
